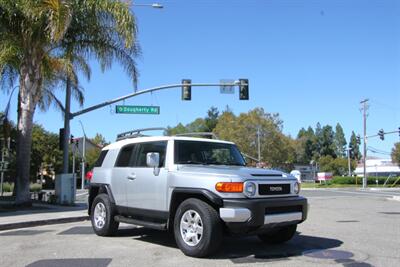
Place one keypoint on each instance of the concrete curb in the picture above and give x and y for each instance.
(17, 225)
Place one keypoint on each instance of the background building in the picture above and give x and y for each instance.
(378, 167)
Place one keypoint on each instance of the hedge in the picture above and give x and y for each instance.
(9, 187)
(370, 180)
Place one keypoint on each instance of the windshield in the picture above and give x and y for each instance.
(207, 153)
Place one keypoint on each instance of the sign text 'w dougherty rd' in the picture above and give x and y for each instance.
(154, 110)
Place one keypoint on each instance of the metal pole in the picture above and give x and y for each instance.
(364, 103)
(163, 87)
(348, 158)
(73, 161)
(67, 118)
(2, 172)
(83, 156)
(83, 162)
(258, 143)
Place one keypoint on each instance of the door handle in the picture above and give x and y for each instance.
(131, 176)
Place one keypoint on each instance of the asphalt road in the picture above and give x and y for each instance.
(344, 228)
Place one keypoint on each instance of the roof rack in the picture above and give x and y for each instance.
(213, 135)
(137, 133)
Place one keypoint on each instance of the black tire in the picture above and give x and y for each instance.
(280, 235)
(211, 237)
(110, 226)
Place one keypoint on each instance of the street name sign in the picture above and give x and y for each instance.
(124, 109)
(227, 89)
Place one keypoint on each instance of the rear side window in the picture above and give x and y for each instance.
(144, 148)
(124, 157)
(101, 158)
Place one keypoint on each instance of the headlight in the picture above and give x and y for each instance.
(249, 189)
(296, 187)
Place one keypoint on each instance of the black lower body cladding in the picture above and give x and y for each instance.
(259, 208)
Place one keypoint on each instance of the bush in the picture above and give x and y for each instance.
(35, 187)
(370, 180)
(8, 187)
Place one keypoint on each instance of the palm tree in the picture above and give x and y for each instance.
(39, 40)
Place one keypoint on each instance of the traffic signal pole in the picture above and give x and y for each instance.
(68, 116)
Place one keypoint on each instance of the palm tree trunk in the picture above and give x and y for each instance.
(29, 94)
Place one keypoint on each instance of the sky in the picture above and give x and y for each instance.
(309, 61)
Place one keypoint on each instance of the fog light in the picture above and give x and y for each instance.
(296, 188)
(249, 189)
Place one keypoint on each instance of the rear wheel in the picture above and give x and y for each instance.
(280, 235)
(197, 228)
(102, 216)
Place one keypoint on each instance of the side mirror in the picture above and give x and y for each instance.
(153, 159)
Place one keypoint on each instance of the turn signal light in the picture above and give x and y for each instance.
(227, 187)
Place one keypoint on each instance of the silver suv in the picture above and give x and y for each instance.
(197, 188)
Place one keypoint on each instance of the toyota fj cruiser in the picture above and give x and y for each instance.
(198, 188)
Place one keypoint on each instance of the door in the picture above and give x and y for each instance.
(121, 174)
(148, 188)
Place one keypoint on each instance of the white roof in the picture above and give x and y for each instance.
(124, 142)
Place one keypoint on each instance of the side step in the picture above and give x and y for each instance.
(152, 225)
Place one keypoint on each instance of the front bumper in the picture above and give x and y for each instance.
(258, 215)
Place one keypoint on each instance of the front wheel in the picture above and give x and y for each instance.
(280, 235)
(102, 216)
(197, 228)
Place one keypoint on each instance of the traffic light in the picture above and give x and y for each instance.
(186, 89)
(61, 139)
(71, 140)
(381, 134)
(358, 139)
(243, 89)
(399, 131)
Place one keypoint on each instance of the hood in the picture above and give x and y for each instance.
(233, 171)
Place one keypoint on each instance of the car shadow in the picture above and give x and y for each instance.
(247, 249)
(250, 249)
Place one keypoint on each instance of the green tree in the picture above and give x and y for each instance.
(340, 141)
(396, 153)
(355, 153)
(325, 141)
(91, 157)
(198, 125)
(305, 145)
(338, 166)
(178, 129)
(33, 35)
(44, 151)
(99, 140)
(212, 119)
(276, 148)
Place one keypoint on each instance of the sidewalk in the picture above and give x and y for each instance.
(41, 214)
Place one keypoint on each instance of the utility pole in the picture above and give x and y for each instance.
(364, 109)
